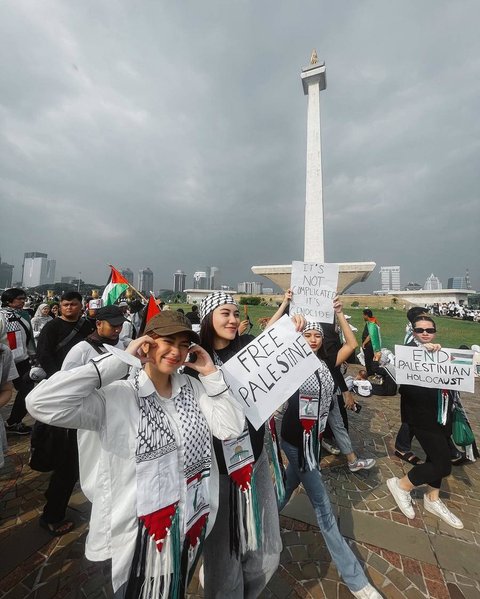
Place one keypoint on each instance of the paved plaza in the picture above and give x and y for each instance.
(420, 558)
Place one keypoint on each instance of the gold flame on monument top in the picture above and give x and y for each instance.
(314, 57)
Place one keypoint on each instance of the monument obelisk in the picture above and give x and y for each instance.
(314, 81)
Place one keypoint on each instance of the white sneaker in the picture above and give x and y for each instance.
(367, 592)
(402, 498)
(361, 464)
(441, 510)
(330, 447)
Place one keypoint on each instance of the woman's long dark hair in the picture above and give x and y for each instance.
(207, 336)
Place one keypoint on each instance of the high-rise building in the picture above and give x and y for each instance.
(200, 280)
(468, 282)
(390, 277)
(50, 274)
(6, 274)
(145, 280)
(37, 269)
(212, 276)
(432, 283)
(250, 287)
(456, 283)
(179, 279)
(128, 274)
(460, 282)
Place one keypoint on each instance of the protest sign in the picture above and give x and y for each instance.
(443, 369)
(266, 372)
(314, 286)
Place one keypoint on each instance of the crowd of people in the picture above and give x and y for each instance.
(138, 410)
(453, 310)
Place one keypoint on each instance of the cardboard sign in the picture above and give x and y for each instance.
(266, 372)
(314, 286)
(443, 369)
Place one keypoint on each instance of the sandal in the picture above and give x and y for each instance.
(57, 529)
(409, 457)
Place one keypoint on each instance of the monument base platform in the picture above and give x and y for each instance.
(349, 274)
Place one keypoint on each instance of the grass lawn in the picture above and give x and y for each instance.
(451, 332)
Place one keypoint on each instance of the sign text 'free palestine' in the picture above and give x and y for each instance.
(267, 371)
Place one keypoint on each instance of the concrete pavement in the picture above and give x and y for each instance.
(420, 558)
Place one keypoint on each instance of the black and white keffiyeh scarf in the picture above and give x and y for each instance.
(321, 385)
(162, 565)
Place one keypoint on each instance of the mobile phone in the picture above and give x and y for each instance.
(191, 358)
(356, 408)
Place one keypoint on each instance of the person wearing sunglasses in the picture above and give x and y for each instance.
(428, 413)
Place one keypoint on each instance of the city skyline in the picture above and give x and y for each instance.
(257, 282)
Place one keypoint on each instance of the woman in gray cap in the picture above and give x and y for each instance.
(155, 489)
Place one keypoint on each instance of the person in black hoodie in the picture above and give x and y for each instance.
(56, 339)
(428, 413)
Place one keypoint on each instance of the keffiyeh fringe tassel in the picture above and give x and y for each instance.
(309, 451)
(309, 460)
(155, 572)
(442, 406)
(245, 529)
(192, 550)
(279, 474)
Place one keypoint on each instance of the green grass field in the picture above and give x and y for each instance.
(451, 332)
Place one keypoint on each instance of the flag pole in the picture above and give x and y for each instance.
(138, 292)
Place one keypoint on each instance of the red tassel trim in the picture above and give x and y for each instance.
(158, 523)
(194, 534)
(308, 424)
(243, 476)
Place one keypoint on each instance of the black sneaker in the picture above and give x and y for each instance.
(18, 428)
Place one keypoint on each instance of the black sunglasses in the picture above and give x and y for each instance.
(430, 330)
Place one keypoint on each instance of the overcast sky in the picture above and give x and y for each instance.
(172, 134)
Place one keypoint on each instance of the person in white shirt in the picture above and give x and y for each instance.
(155, 492)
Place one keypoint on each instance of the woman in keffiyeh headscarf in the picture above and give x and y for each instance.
(243, 550)
(42, 316)
(302, 427)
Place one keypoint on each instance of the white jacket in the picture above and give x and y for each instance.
(92, 397)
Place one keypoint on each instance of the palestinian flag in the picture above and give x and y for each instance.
(116, 286)
(461, 358)
(150, 310)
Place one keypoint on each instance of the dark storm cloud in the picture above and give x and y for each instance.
(172, 135)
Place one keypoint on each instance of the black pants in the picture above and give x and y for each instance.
(368, 353)
(438, 465)
(23, 384)
(62, 482)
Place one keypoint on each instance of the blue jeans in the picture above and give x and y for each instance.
(347, 564)
(339, 431)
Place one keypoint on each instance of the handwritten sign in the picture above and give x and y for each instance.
(444, 369)
(314, 286)
(266, 372)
